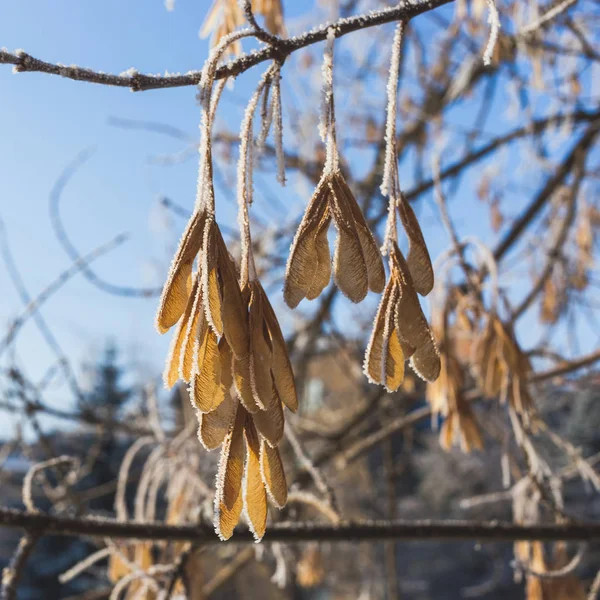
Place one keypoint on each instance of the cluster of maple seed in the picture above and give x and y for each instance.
(228, 340)
(228, 345)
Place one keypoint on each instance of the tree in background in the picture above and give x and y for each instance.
(107, 400)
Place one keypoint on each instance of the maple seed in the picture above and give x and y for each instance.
(502, 368)
(250, 471)
(400, 332)
(446, 398)
(357, 264)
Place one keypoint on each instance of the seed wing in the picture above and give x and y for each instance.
(206, 390)
(303, 259)
(210, 279)
(231, 462)
(214, 426)
(235, 313)
(419, 262)
(273, 474)
(175, 292)
(349, 266)
(261, 353)
(255, 496)
(373, 260)
(270, 422)
(412, 324)
(281, 368)
(171, 372)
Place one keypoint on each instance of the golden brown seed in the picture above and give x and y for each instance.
(210, 280)
(255, 496)
(231, 463)
(322, 270)
(374, 354)
(172, 367)
(349, 266)
(281, 368)
(261, 352)
(375, 270)
(357, 264)
(412, 324)
(303, 258)
(227, 518)
(206, 390)
(234, 310)
(419, 262)
(175, 292)
(273, 474)
(270, 422)
(214, 426)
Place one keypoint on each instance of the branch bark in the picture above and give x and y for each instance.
(138, 82)
(14, 571)
(423, 530)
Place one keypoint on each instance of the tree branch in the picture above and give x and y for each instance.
(555, 251)
(49, 291)
(138, 82)
(420, 414)
(492, 531)
(12, 573)
(569, 367)
(581, 146)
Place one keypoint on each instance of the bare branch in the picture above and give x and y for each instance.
(77, 267)
(12, 573)
(494, 531)
(138, 82)
(63, 238)
(584, 143)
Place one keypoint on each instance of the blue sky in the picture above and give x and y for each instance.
(46, 121)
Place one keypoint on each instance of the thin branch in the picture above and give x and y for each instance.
(440, 199)
(39, 320)
(416, 416)
(595, 588)
(138, 82)
(30, 477)
(65, 276)
(569, 367)
(371, 440)
(262, 34)
(310, 499)
(535, 128)
(232, 568)
(65, 241)
(554, 252)
(423, 530)
(494, 22)
(85, 415)
(548, 16)
(582, 145)
(305, 462)
(179, 571)
(12, 573)
(558, 573)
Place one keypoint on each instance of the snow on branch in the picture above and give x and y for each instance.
(137, 82)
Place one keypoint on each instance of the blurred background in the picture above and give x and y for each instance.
(513, 149)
